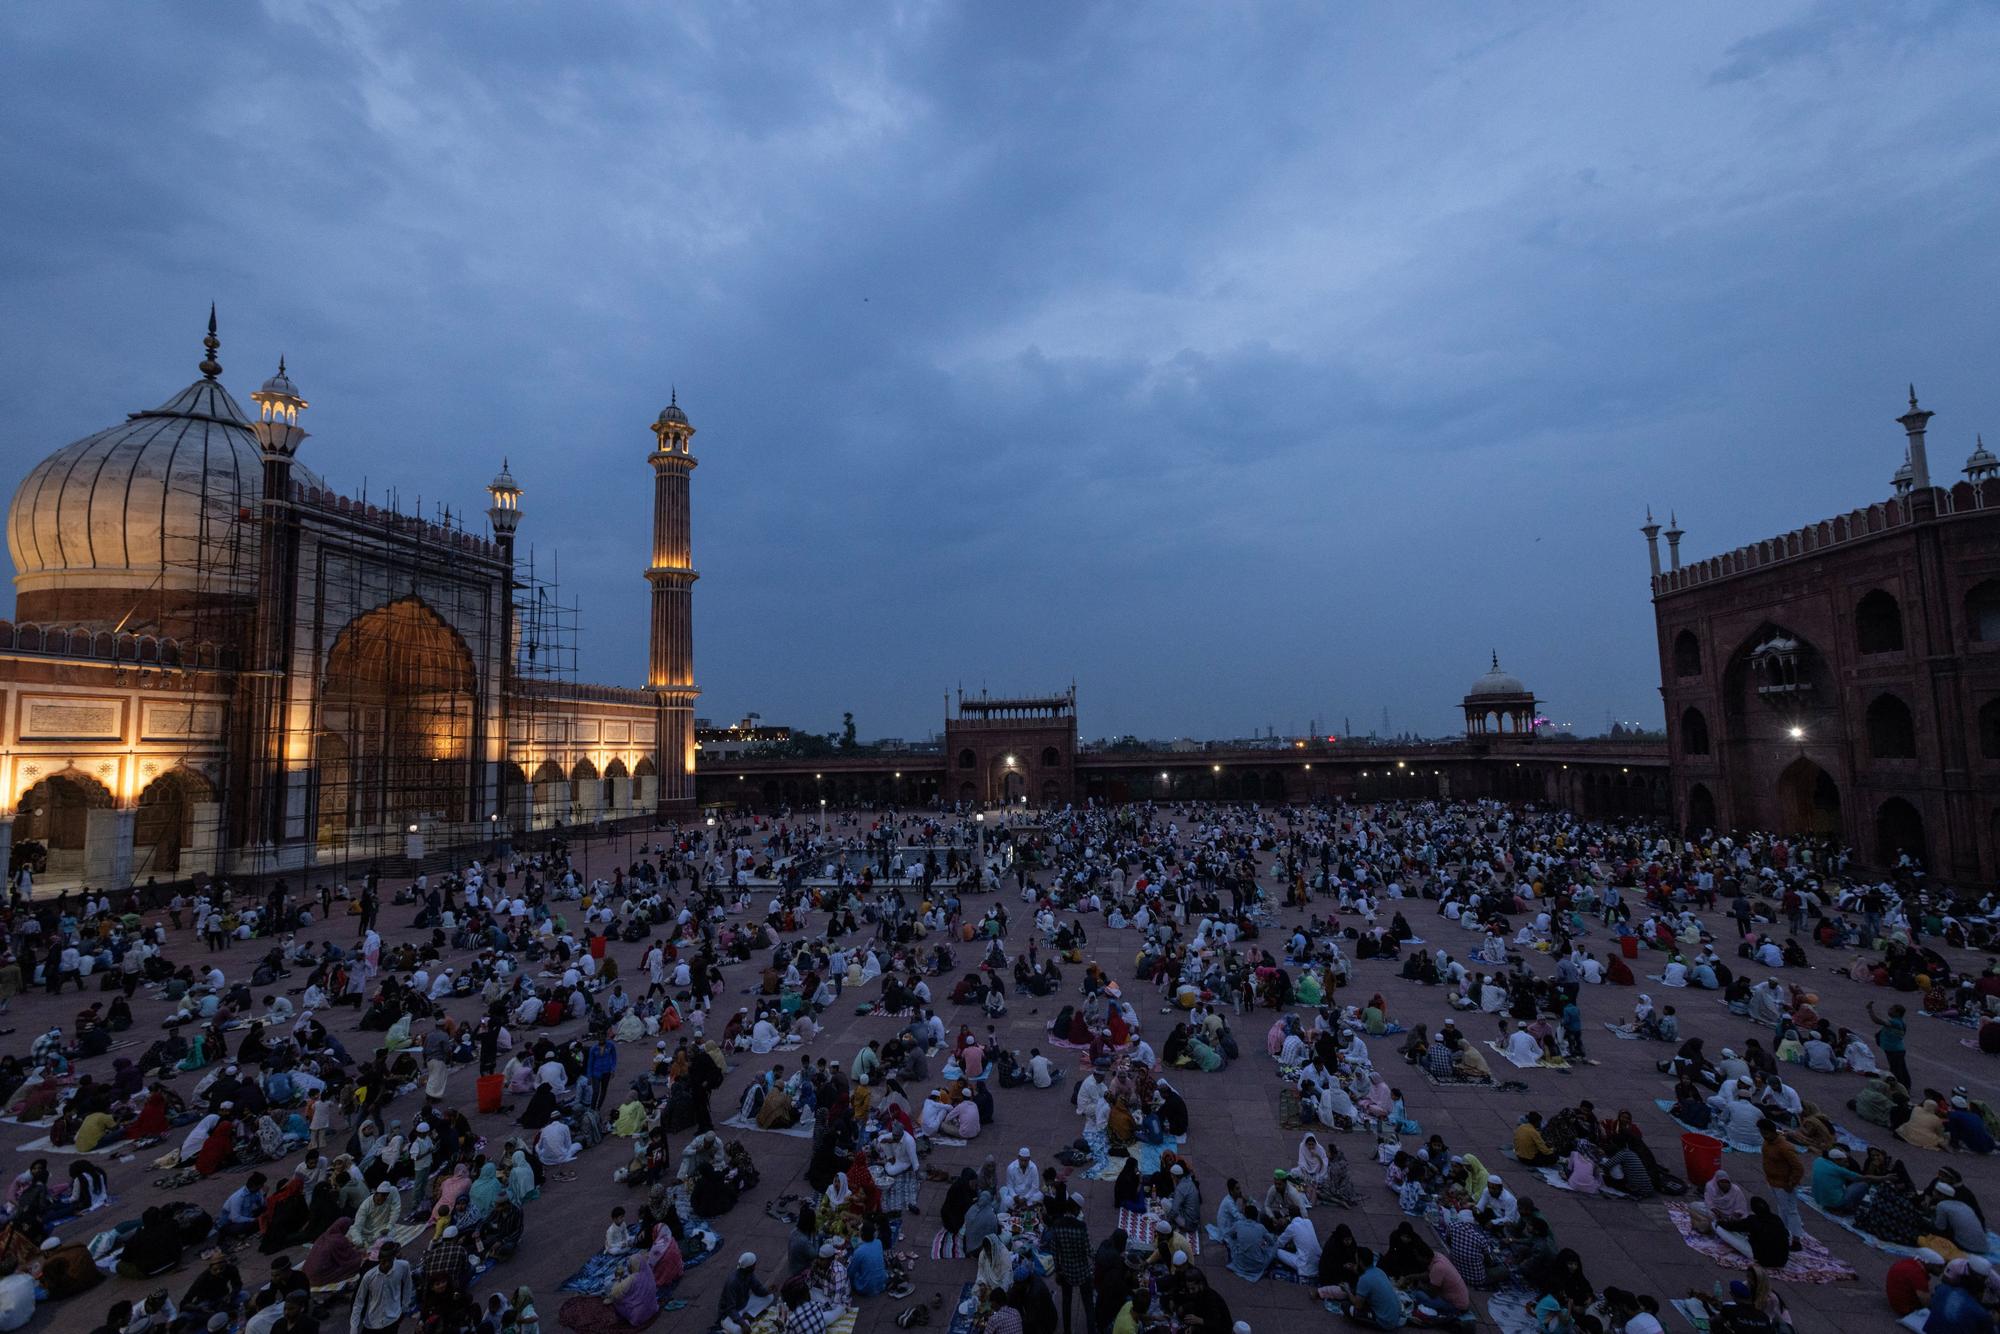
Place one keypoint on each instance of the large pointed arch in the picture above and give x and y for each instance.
(398, 721)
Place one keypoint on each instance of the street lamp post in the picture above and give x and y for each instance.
(822, 817)
(979, 870)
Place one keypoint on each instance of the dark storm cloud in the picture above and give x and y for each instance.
(1248, 365)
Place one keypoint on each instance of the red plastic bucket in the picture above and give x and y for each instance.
(1701, 1155)
(489, 1093)
(597, 947)
(1629, 945)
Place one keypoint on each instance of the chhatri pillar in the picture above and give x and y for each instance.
(670, 653)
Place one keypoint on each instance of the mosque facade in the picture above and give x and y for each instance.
(220, 663)
(1844, 678)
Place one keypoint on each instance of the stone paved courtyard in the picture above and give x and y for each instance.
(1235, 1130)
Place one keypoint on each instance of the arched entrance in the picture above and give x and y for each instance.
(1899, 830)
(551, 793)
(163, 829)
(54, 815)
(398, 717)
(514, 811)
(1810, 799)
(1701, 810)
(1013, 786)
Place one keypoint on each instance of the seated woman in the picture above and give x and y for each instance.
(1581, 1172)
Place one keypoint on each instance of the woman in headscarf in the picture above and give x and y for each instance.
(866, 1194)
(957, 1202)
(191, 1146)
(1312, 1165)
(1725, 1201)
(217, 1149)
(521, 1185)
(1129, 1190)
(284, 1216)
(333, 1257)
(151, 1123)
(271, 1141)
(451, 1191)
(485, 1192)
(555, 1145)
(665, 1256)
(982, 1220)
(519, 1076)
(541, 1109)
(398, 1036)
(376, 1217)
(996, 1271)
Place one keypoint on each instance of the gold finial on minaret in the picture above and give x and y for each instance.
(210, 367)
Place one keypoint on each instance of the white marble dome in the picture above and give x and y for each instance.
(1497, 682)
(165, 499)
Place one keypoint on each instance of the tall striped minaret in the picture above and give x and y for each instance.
(670, 657)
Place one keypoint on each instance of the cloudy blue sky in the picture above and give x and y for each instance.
(1245, 363)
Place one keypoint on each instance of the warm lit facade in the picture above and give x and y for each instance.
(1845, 678)
(219, 663)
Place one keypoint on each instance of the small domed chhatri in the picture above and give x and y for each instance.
(1498, 704)
(1497, 682)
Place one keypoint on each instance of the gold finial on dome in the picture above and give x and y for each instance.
(210, 367)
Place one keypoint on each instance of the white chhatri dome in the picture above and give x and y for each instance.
(165, 499)
(1497, 682)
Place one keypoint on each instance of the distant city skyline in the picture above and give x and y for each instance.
(1246, 367)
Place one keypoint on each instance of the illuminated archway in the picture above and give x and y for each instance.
(399, 714)
(54, 814)
(163, 828)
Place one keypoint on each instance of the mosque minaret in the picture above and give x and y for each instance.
(670, 654)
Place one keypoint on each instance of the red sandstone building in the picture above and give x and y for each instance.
(1845, 678)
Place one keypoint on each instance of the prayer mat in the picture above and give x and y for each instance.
(803, 1130)
(1139, 1231)
(1972, 1044)
(947, 1246)
(1280, 1272)
(1149, 1154)
(1696, 1314)
(42, 1145)
(1457, 1081)
(1959, 1021)
(599, 1272)
(1620, 1032)
(1876, 1243)
(1541, 1064)
(965, 1313)
(1811, 1263)
(876, 1011)
(1513, 1311)
(1666, 1105)
(1560, 1182)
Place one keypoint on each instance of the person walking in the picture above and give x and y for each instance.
(1784, 1170)
(385, 1295)
(1068, 1240)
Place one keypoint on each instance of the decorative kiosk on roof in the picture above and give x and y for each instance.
(1499, 705)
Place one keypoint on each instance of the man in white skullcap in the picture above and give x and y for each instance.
(1023, 1183)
